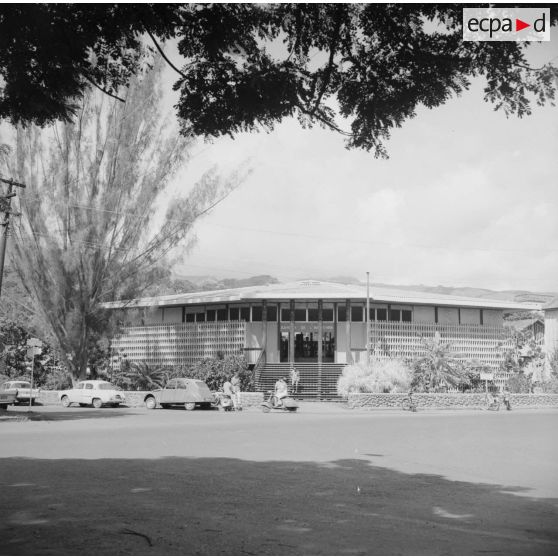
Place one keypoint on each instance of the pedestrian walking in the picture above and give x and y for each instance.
(507, 400)
(235, 382)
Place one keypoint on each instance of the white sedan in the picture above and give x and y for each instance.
(24, 392)
(93, 392)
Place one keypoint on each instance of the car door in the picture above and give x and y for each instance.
(168, 393)
(182, 392)
(87, 393)
(76, 393)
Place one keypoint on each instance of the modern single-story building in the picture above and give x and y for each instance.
(318, 326)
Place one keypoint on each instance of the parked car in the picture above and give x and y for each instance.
(93, 392)
(181, 391)
(24, 392)
(7, 397)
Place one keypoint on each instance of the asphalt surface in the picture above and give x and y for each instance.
(326, 480)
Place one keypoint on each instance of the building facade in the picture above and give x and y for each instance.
(315, 325)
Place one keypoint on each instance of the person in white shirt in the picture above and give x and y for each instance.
(281, 389)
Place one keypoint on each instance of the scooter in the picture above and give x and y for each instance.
(223, 401)
(274, 403)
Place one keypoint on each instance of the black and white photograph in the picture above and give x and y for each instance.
(278, 279)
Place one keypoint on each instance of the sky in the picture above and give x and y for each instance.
(467, 197)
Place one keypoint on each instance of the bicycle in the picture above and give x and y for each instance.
(492, 404)
(408, 404)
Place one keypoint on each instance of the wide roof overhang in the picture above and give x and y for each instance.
(319, 290)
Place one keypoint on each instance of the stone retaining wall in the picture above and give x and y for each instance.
(448, 400)
(135, 398)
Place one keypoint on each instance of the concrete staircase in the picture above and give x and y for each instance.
(317, 381)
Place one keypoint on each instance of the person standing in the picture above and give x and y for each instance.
(235, 382)
(294, 377)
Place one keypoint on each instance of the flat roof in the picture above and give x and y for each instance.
(311, 290)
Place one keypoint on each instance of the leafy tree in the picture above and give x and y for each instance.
(249, 66)
(14, 361)
(438, 368)
(89, 232)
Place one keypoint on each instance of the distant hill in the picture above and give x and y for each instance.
(207, 282)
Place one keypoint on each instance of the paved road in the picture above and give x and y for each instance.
(323, 481)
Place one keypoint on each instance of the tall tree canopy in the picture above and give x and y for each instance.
(248, 66)
(93, 226)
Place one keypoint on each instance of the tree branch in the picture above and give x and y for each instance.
(103, 90)
(328, 70)
(163, 54)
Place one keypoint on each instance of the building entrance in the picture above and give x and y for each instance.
(305, 341)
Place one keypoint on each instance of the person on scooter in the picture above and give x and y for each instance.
(281, 390)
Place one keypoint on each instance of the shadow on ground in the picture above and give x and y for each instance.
(227, 506)
(65, 415)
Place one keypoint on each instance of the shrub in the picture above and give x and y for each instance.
(519, 383)
(216, 371)
(380, 376)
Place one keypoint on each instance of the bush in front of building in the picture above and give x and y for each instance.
(380, 376)
(216, 371)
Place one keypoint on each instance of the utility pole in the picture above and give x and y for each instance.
(367, 318)
(5, 208)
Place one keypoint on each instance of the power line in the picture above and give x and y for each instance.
(294, 234)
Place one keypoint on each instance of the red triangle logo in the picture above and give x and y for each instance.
(520, 25)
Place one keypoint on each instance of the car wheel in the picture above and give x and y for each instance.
(96, 403)
(150, 403)
(65, 401)
(189, 406)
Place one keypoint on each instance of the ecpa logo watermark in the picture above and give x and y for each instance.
(506, 24)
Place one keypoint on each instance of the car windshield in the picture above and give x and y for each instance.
(22, 384)
(106, 385)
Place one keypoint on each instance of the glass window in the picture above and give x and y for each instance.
(234, 314)
(106, 385)
(312, 314)
(395, 315)
(211, 315)
(327, 314)
(300, 314)
(88, 386)
(257, 312)
(272, 313)
(357, 314)
(245, 313)
(342, 313)
(79, 386)
(285, 314)
(200, 317)
(190, 318)
(406, 315)
(222, 315)
(381, 314)
(372, 314)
